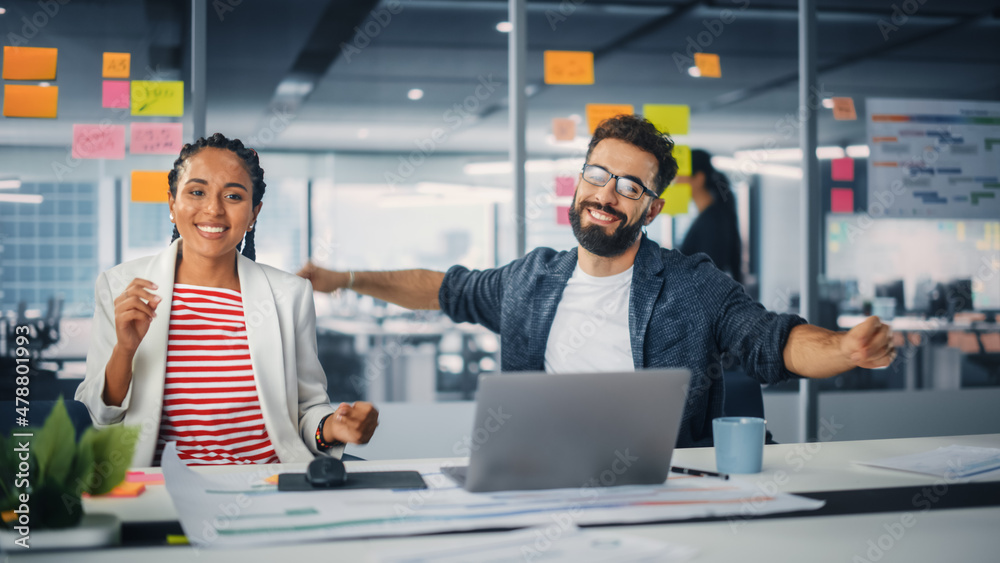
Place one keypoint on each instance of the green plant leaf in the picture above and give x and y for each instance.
(113, 448)
(54, 446)
(83, 463)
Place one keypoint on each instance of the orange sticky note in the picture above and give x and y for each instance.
(569, 67)
(671, 119)
(150, 186)
(843, 109)
(116, 65)
(596, 113)
(708, 64)
(30, 101)
(29, 63)
(563, 129)
(125, 489)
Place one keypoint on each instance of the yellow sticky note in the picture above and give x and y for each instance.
(162, 98)
(708, 64)
(671, 119)
(149, 186)
(834, 247)
(676, 199)
(29, 63)
(30, 101)
(177, 539)
(569, 67)
(596, 113)
(682, 154)
(835, 228)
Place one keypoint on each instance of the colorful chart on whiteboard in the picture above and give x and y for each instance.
(933, 158)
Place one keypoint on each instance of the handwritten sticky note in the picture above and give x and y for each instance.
(676, 199)
(842, 169)
(842, 200)
(30, 101)
(569, 67)
(99, 141)
(672, 119)
(154, 97)
(596, 113)
(708, 64)
(115, 94)
(116, 65)
(562, 215)
(563, 129)
(29, 63)
(682, 154)
(843, 109)
(565, 186)
(156, 138)
(150, 186)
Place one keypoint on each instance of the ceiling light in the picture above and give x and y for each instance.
(827, 153)
(363, 133)
(10, 184)
(415, 94)
(20, 198)
(694, 71)
(858, 151)
(44, 84)
(3, 11)
(828, 103)
(505, 27)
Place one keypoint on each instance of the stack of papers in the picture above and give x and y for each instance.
(952, 462)
(241, 509)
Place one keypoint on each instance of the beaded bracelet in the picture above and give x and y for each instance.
(320, 442)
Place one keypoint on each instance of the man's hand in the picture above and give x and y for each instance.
(869, 345)
(323, 280)
(351, 423)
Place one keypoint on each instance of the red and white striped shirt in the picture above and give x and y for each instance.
(210, 403)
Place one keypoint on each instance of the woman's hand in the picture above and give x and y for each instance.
(351, 423)
(134, 311)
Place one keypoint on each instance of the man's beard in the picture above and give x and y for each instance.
(595, 240)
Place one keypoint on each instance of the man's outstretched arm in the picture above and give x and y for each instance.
(413, 289)
(816, 352)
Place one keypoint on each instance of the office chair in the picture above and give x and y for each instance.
(743, 397)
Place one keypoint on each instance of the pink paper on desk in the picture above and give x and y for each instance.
(565, 186)
(842, 200)
(115, 94)
(143, 477)
(156, 138)
(98, 141)
(562, 215)
(843, 169)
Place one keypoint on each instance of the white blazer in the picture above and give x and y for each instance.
(281, 330)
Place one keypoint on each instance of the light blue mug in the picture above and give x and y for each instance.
(739, 444)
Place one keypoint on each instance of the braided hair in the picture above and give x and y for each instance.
(250, 161)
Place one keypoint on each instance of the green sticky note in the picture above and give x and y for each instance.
(676, 199)
(682, 153)
(158, 97)
(672, 119)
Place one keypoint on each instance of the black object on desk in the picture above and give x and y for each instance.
(357, 480)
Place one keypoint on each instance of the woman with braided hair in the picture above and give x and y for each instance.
(202, 346)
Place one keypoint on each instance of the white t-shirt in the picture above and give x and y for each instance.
(590, 330)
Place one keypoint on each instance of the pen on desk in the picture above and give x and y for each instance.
(698, 472)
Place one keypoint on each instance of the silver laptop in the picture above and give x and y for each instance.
(535, 430)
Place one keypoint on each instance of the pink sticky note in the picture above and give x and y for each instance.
(843, 169)
(842, 200)
(99, 141)
(115, 94)
(562, 215)
(565, 186)
(143, 477)
(156, 138)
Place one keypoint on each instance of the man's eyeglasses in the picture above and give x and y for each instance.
(625, 187)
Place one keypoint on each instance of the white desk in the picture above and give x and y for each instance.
(971, 534)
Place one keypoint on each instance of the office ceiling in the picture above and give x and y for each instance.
(278, 72)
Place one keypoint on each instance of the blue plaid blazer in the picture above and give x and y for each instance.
(683, 312)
